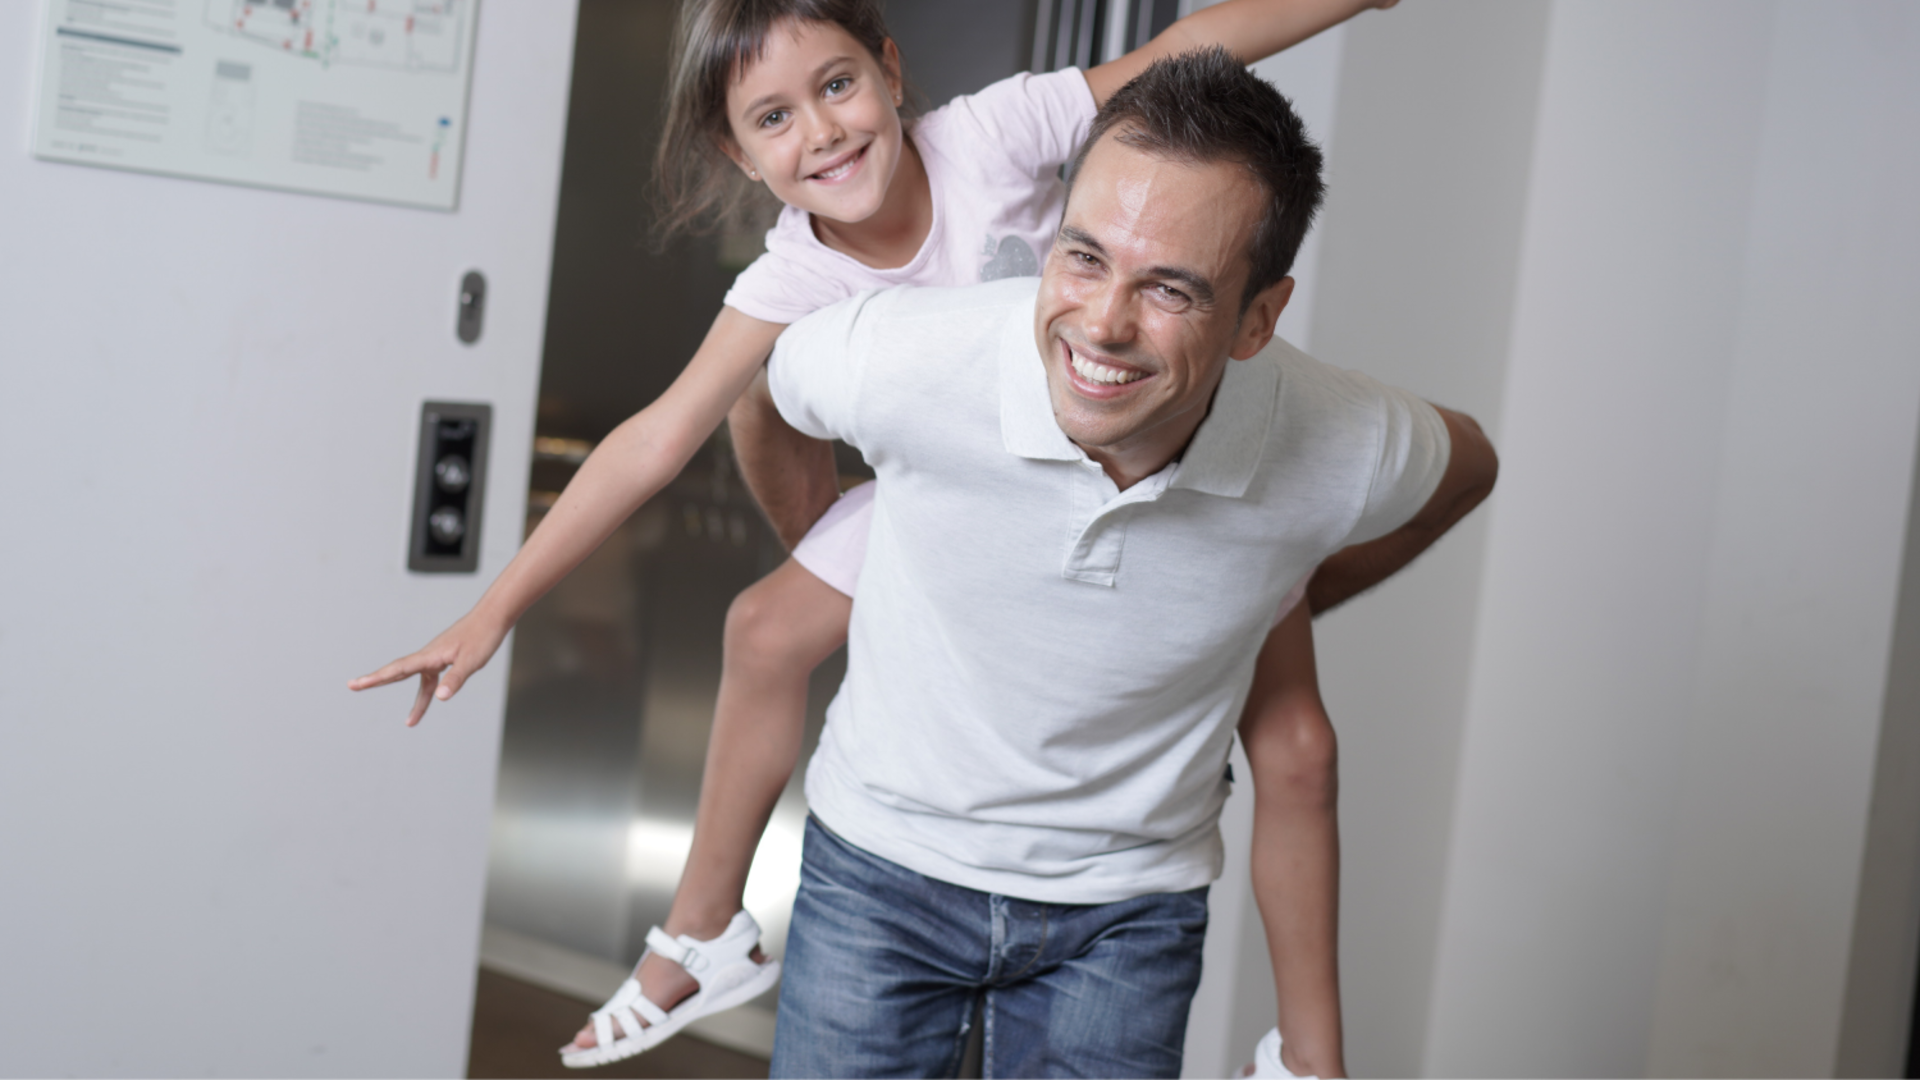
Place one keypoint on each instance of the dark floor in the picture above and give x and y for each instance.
(518, 1027)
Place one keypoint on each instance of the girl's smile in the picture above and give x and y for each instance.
(816, 119)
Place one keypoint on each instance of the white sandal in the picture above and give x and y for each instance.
(727, 975)
(1266, 1060)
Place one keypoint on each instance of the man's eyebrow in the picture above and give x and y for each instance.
(767, 99)
(1075, 236)
(1200, 287)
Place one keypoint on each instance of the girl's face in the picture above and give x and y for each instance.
(816, 118)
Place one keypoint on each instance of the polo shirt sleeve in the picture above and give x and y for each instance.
(817, 367)
(1414, 449)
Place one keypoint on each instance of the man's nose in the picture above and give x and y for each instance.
(1110, 315)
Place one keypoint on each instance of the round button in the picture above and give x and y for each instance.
(452, 474)
(447, 525)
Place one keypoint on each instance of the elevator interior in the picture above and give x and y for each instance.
(614, 673)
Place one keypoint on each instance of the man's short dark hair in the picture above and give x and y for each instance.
(1204, 106)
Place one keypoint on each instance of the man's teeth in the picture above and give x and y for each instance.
(1100, 373)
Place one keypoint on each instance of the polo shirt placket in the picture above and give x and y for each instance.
(1220, 461)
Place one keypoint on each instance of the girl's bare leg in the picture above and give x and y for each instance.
(778, 631)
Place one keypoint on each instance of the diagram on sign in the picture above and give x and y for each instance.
(409, 35)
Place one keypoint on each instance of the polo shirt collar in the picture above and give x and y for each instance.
(1221, 459)
(1227, 449)
(1027, 426)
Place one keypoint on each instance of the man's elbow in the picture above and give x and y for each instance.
(1474, 461)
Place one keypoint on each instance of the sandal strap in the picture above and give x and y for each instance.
(626, 1006)
(733, 944)
(602, 1028)
(682, 950)
(645, 1007)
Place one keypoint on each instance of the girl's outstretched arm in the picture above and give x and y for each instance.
(638, 459)
(1249, 29)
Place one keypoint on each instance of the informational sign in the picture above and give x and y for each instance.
(361, 98)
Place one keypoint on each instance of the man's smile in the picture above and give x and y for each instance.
(1099, 376)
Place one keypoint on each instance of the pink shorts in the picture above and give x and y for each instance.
(835, 548)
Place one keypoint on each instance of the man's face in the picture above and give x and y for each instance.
(1139, 305)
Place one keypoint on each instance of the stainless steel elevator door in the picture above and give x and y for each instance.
(614, 673)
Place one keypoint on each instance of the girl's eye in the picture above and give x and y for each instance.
(839, 86)
(774, 118)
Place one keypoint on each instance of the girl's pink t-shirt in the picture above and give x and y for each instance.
(993, 161)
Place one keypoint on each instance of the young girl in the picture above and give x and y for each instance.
(804, 96)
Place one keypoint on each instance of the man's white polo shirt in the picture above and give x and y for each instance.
(1045, 672)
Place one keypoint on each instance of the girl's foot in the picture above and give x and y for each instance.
(664, 983)
(692, 977)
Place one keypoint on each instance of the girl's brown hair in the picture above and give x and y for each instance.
(696, 187)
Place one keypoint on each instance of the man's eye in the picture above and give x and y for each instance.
(1085, 259)
(1173, 294)
(838, 86)
(774, 118)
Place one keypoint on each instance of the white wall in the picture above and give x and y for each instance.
(1815, 471)
(217, 860)
(1611, 753)
(1422, 240)
(1708, 443)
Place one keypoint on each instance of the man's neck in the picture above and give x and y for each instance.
(1128, 463)
(1126, 470)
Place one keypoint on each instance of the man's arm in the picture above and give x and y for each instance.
(1472, 468)
(791, 475)
(1296, 845)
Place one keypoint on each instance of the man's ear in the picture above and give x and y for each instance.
(1256, 326)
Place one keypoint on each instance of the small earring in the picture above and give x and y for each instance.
(752, 174)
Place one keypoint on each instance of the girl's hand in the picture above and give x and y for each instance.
(444, 665)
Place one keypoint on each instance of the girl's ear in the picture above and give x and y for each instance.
(737, 156)
(890, 64)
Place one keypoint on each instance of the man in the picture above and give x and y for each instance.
(1074, 559)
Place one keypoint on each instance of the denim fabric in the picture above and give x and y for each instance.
(884, 965)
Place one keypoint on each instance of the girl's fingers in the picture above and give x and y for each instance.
(423, 697)
(392, 673)
(405, 667)
(451, 682)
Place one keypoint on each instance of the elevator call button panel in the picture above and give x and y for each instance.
(448, 481)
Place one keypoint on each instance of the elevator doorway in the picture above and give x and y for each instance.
(614, 673)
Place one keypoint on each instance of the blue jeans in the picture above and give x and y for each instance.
(884, 965)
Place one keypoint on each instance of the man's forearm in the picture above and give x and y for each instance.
(1472, 467)
(791, 475)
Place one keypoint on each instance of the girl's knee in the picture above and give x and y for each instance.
(773, 625)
